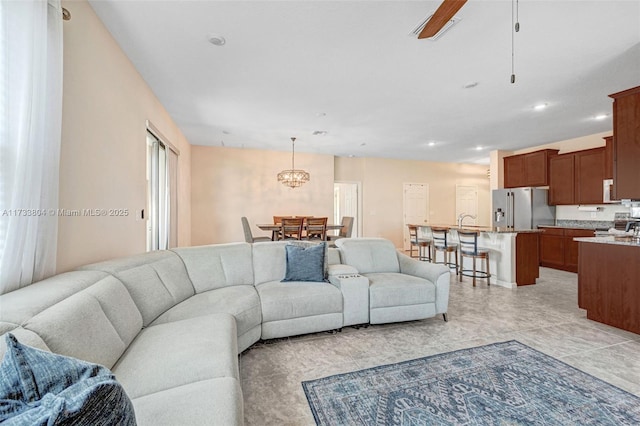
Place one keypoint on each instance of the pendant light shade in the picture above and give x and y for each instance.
(292, 177)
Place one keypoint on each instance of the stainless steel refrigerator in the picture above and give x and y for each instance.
(522, 208)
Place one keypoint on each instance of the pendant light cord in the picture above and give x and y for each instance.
(513, 73)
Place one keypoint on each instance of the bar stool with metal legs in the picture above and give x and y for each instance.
(441, 242)
(469, 248)
(421, 243)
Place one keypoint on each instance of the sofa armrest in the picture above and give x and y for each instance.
(341, 269)
(437, 274)
(355, 297)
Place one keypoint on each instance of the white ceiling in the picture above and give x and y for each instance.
(385, 94)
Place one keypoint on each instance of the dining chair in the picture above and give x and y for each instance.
(441, 242)
(275, 235)
(469, 248)
(317, 228)
(248, 235)
(291, 228)
(419, 243)
(345, 231)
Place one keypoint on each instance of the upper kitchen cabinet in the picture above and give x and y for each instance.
(608, 157)
(576, 177)
(590, 172)
(562, 179)
(626, 143)
(531, 169)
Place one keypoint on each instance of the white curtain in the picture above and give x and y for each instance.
(30, 132)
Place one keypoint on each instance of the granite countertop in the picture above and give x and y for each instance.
(493, 229)
(623, 241)
(596, 225)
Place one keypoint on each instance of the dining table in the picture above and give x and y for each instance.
(275, 227)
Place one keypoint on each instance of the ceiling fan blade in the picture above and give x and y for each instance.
(445, 12)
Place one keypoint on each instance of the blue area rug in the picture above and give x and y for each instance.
(500, 384)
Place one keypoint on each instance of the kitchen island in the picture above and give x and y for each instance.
(609, 280)
(513, 253)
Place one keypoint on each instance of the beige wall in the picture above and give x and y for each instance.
(228, 183)
(382, 185)
(103, 156)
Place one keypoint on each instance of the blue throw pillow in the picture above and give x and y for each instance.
(305, 263)
(42, 388)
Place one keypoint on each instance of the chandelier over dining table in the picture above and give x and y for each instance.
(293, 177)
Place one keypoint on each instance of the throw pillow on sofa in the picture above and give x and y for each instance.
(305, 263)
(43, 388)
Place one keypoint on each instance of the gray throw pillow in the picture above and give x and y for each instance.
(42, 388)
(305, 263)
(305, 244)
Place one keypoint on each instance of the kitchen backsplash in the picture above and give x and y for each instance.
(605, 213)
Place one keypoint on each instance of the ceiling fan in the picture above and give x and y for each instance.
(442, 15)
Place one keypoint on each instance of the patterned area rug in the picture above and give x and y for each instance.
(500, 384)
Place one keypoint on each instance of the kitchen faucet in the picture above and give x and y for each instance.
(462, 217)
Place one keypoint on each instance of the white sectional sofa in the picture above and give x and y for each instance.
(171, 324)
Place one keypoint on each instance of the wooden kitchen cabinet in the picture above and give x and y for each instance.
(608, 157)
(576, 177)
(514, 171)
(558, 250)
(562, 179)
(530, 169)
(626, 143)
(589, 174)
(552, 248)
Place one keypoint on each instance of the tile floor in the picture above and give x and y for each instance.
(544, 316)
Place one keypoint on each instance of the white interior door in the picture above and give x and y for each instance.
(415, 207)
(467, 203)
(346, 202)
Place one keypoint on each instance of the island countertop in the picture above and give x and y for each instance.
(492, 229)
(610, 239)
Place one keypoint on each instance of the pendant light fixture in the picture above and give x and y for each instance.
(293, 178)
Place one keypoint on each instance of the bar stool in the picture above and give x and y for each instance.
(420, 243)
(469, 248)
(443, 244)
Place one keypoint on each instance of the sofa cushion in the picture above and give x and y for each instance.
(369, 254)
(391, 289)
(214, 401)
(269, 261)
(241, 301)
(177, 353)
(305, 263)
(156, 280)
(20, 305)
(95, 325)
(217, 266)
(41, 388)
(297, 299)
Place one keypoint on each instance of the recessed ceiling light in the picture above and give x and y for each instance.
(217, 40)
(351, 155)
(432, 143)
(600, 116)
(540, 107)
(321, 114)
(479, 148)
(363, 144)
(319, 132)
(470, 85)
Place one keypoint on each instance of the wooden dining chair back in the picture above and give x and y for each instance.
(423, 245)
(291, 228)
(248, 235)
(469, 248)
(442, 242)
(317, 228)
(345, 230)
